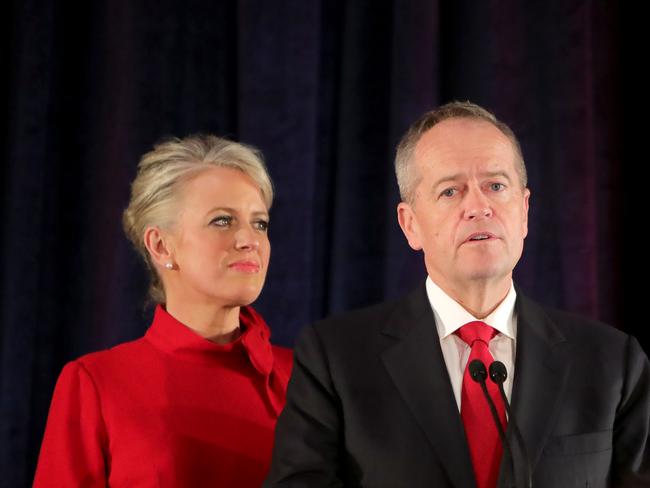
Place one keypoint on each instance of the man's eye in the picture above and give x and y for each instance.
(262, 225)
(221, 221)
(497, 186)
(449, 192)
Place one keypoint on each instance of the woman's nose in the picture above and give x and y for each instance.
(246, 239)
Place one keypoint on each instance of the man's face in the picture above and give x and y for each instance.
(470, 212)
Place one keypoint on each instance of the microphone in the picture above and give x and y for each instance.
(498, 375)
(479, 374)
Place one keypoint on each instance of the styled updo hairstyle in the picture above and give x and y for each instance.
(161, 174)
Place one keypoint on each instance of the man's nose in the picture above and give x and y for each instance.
(477, 205)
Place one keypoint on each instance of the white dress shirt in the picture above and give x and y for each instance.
(450, 316)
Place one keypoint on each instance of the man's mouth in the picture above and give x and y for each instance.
(480, 236)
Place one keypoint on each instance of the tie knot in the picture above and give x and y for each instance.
(476, 331)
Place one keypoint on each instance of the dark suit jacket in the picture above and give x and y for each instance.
(370, 403)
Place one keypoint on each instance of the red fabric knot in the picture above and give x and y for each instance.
(257, 345)
(482, 435)
(476, 331)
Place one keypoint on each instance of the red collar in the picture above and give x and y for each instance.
(173, 337)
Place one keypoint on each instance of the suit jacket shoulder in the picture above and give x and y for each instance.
(574, 326)
(582, 396)
(395, 318)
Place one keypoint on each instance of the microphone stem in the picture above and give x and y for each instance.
(520, 439)
(497, 421)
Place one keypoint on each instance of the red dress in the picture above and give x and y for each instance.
(171, 409)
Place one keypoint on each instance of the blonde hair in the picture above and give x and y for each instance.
(161, 174)
(407, 177)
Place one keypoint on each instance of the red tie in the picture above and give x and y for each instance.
(482, 435)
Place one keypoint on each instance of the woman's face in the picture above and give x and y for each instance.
(219, 244)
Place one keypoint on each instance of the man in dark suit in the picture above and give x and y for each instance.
(384, 396)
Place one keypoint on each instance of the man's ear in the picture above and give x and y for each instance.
(159, 246)
(525, 210)
(409, 224)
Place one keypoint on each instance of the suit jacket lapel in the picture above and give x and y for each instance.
(416, 366)
(541, 372)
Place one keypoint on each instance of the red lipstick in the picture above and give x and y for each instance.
(245, 266)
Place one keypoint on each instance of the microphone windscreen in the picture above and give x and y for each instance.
(477, 371)
(498, 372)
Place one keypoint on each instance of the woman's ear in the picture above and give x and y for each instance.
(158, 244)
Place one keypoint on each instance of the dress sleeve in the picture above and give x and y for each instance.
(74, 446)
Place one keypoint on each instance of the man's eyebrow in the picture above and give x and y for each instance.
(457, 176)
(492, 174)
(446, 179)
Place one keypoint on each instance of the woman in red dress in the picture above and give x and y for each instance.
(194, 402)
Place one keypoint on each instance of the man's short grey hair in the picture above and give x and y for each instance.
(407, 175)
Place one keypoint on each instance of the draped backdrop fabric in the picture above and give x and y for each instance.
(325, 89)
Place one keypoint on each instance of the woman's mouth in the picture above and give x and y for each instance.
(245, 266)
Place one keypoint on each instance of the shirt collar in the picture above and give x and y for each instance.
(450, 315)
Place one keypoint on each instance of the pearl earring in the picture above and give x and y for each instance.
(169, 266)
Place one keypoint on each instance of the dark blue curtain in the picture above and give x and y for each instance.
(325, 89)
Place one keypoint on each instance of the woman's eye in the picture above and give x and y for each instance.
(262, 225)
(222, 221)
